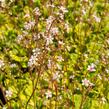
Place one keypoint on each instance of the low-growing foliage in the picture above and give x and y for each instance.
(54, 54)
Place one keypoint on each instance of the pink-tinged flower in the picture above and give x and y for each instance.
(87, 83)
(91, 67)
(19, 38)
(29, 25)
(27, 15)
(56, 76)
(34, 57)
(97, 19)
(49, 65)
(54, 31)
(49, 20)
(60, 59)
(49, 40)
(48, 94)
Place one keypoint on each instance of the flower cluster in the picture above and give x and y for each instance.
(49, 40)
(29, 25)
(62, 11)
(49, 22)
(34, 58)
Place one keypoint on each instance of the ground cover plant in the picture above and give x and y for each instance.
(54, 54)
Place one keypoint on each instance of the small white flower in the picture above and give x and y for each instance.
(91, 4)
(32, 23)
(60, 59)
(36, 37)
(8, 93)
(49, 20)
(29, 25)
(1, 63)
(86, 55)
(13, 65)
(34, 58)
(2, 0)
(47, 48)
(25, 33)
(83, 11)
(77, 88)
(49, 65)
(71, 77)
(91, 67)
(63, 9)
(97, 19)
(48, 94)
(49, 40)
(87, 83)
(49, 5)
(37, 11)
(68, 48)
(107, 41)
(103, 100)
(54, 31)
(36, 50)
(19, 38)
(3, 3)
(56, 76)
(4, 107)
(59, 97)
(67, 27)
(27, 15)
(107, 71)
(61, 42)
(61, 16)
